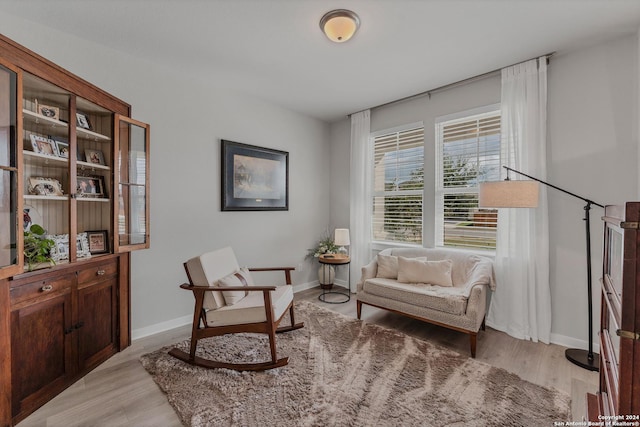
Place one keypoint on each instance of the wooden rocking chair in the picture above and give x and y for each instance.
(257, 309)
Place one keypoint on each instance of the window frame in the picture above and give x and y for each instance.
(440, 191)
(373, 193)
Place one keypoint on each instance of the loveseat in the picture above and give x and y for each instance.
(440, 286)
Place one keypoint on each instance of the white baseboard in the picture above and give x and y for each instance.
(571, 342)
(161, 327)
(186, 320)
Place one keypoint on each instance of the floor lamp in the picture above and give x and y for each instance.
(518, 194)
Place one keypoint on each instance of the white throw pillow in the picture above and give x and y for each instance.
(240, 277)
(428, 272)
(388, 266)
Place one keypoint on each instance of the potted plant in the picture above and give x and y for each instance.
(326, 273)
(37, 248)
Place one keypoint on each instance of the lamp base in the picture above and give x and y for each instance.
(581, 358)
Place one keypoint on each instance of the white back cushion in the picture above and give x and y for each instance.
(208, 268)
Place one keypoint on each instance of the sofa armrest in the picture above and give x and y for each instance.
(369, 271)
(477, 304)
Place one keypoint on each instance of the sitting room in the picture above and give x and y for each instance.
(280, 212)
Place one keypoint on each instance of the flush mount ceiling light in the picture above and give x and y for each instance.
(339, 25)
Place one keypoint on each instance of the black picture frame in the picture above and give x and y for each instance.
(254, 178)
(98, 241)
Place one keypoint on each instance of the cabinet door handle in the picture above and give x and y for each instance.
(46, 288)
(100, 272)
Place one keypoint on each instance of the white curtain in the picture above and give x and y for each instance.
(360, 200)
(521, 304)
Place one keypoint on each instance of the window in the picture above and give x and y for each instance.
(398, 173)
(467, 152)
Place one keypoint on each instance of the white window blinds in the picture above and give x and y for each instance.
(398, 186)
(467, 153)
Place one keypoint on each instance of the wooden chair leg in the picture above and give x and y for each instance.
(473, 340)
(359, 309)
(272, 344)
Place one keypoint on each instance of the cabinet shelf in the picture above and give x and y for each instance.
(31, 117)
(44, 159)
(91, 166)
(93, 199)
(53, 198)
(91, 135)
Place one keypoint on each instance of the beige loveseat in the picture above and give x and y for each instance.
(402, 280)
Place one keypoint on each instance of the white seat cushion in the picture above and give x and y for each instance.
(446, 299)
(250, 309)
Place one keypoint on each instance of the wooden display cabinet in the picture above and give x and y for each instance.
(619, 390)
(74, 162)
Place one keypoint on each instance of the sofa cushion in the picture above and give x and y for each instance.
(240, 277)
(428, 272)
(451, 300)
(388, 266)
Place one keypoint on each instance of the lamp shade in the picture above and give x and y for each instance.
(339, 25)
(341, 237)
(508, 194)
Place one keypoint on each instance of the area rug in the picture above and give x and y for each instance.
(346, 372)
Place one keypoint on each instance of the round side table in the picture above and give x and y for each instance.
(335, 259)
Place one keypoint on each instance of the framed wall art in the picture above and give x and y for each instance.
(254, 178)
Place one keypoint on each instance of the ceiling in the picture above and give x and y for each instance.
(274, 49)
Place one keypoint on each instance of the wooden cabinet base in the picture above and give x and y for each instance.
(64, 322)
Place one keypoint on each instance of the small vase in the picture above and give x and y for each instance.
(326, 275)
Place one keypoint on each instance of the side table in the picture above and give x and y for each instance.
(335, 259)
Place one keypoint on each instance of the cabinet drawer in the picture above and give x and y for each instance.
(98, 273)
(40, 288)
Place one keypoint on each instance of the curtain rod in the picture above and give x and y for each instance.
(454, 84)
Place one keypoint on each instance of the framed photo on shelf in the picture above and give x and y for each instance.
(41, 186)
(83, 121)
(48, 111)
(98, 241)
(91, 187)
(254, 178)
(63, 149)
(60, 250)
(94, 156)
(42, 145)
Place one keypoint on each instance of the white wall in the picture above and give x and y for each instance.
(592, 151)
(188, 118)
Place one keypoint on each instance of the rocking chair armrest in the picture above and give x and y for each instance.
(227, 288)
(287, 271)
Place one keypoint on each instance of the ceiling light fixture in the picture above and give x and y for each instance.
(339, 25)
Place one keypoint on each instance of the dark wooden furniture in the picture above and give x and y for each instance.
(59, 322)
(219, 264)
(619, 391)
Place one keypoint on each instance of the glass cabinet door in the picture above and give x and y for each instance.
(10, 193)
(132, 184)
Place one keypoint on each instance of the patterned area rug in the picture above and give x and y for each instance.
(345, 372)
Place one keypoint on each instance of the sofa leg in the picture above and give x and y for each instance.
(473, 340)
(359, 309)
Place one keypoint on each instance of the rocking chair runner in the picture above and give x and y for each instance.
(260, 310)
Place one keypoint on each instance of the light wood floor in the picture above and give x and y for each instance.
(121, 393)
